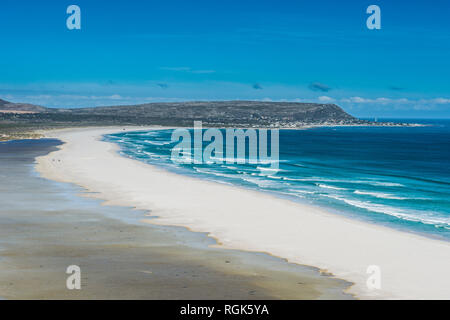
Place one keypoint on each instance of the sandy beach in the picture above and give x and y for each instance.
(412, 266)
(47, 226)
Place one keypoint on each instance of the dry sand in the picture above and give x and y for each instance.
(411, 266)
(46, 226)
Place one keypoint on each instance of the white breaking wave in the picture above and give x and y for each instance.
(149, 134)
(216, 173)
(268, 169)
(230, 167)
(369, 182)
(275, 177)
(157, 143)
(302, 191)
(398, 213)
(155, 155)
(294, 194)
(384, 184)
(259, 182)
(380, 195)
(325, 186)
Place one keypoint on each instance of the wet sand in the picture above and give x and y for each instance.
(46, 226)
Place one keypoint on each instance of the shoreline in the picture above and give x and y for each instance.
(335, 244)
(47, 226)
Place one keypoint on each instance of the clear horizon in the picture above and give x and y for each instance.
(139, 52)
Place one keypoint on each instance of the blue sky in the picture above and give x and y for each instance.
(138, 51)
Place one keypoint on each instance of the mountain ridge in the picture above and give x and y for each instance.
(12, 107)
(240, 113)
(22, 120)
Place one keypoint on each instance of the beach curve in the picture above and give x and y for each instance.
(249, 220)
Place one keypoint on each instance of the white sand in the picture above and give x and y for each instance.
(411, 266)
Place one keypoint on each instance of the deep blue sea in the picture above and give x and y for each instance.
(395, 176)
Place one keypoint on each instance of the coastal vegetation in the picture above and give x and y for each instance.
(19, 120)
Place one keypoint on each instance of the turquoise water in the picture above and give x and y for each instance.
(395, 176)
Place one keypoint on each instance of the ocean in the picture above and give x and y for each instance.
(394, 176)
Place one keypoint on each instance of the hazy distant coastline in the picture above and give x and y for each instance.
(20, 120)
